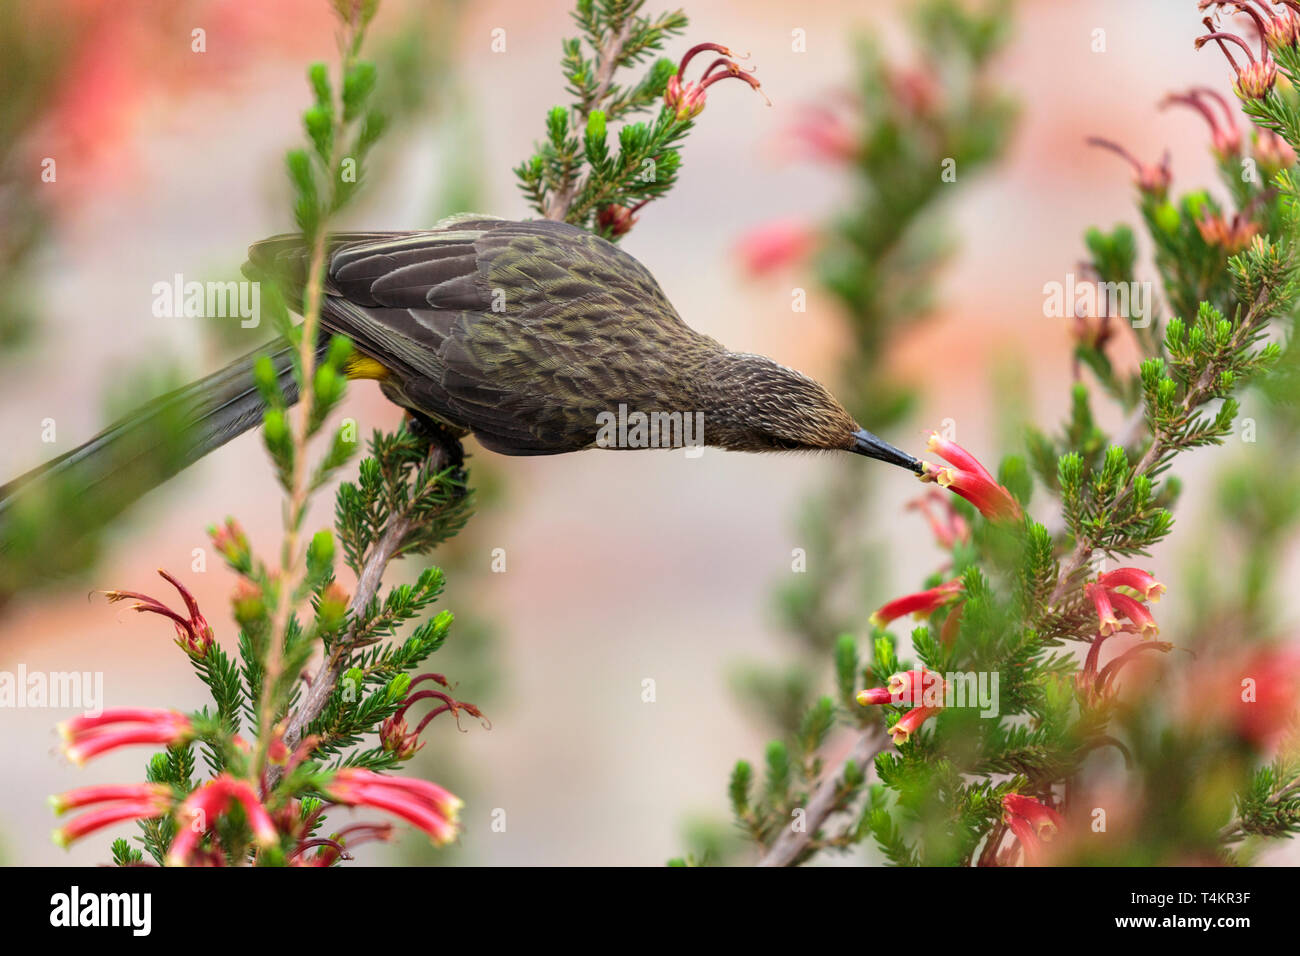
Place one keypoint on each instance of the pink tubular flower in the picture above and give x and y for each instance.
(775, 246)
(1225, 138)
(1032, 822)
(1152, 180)
(918, 688)
(106, 793)
(874, 696)
(910, 723)
(823, 133)
(196, 815)
(1134, 579)
(915, 687)
(85, 737)
(93, 820)
(1137, 613)
(921, 604)
(686, 100)
(136, 801)
(424, 805)
(968, 478)
(1257, 77)
(1100, 597)
(949, 528)
(1112, 604)
(1045, 821)
(193, 635)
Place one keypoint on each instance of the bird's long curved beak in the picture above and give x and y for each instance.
(865, 443)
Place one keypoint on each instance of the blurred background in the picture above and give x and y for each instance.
(619, 568)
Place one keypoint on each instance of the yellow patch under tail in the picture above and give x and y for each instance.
(362, 366)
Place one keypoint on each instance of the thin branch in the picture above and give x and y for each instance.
(559, 203)
(791, 844)
(326, 679)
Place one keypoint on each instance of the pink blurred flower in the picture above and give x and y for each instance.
(1152, 180)
(775, 245)
(208, 802)
(1225, 137)
(949, 527)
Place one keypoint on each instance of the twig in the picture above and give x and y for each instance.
(791, 844)
(1160, 444)
(559, 204)
(1234, 829)
(326, 679)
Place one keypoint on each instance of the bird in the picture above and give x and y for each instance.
(525, 334)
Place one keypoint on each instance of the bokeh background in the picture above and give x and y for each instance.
(620, 568)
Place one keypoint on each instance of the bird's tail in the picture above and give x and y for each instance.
(89, 485)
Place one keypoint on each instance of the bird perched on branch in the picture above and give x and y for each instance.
(520, 333)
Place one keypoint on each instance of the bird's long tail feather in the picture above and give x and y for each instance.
(96, 480)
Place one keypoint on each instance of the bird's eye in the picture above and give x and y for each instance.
(783, 444)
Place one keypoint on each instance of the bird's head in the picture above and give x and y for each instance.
(754, 404)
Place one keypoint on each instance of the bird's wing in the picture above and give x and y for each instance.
(518, 331)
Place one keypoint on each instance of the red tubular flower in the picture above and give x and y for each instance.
(86, 736)
(1151, 180)
(196, 815)
(424, 805)
(1134, 579)
(686, 100)
(775, 246)
(1109, 623)
(1225, 138)
(875, 695)
(1032, 822)
(133, 801)
(193, 635)
(921, 604)
(259, 821)
(106, 793)
(914, 686)
(1112, 604)
(106, 816)
(968, 478)
(1045, 821)
(910, 723)
(1137, 613)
